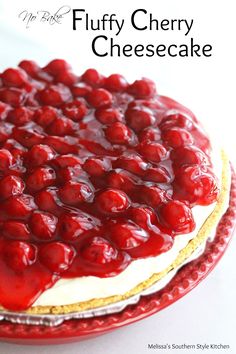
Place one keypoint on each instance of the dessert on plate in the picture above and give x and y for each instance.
(105, 187)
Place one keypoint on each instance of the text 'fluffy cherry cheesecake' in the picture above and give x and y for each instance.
(105, 187)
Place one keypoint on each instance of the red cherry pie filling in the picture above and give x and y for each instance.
(95, 173)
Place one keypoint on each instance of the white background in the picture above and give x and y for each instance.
(206, 85)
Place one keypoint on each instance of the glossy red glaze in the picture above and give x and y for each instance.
(78, 156)
(184, 281)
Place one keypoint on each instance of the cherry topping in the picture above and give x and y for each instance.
(94, 173)
(98, 250)
(6, 159)
(20, 116)
(176, 137)
(56, 256)
(96, 167)
(112, 201)
(152, 151)
(93, 78)
(11, 186)
(118, 133)
(127, 235)
(19, 255)
(176, 216)
(14, 77)
(75, 110)
(72, 226)
(57, 66)
(40, 155)
(16, 230)
(75, 192)
(43, 225)
(144, 88)
(40, 178)
(115, 83)
(99, 98)
(139, 119)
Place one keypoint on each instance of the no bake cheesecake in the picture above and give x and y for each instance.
(105, 187)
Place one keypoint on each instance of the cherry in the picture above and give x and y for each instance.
(98, 250)
(56, 66)
(14, 77)
(195, 185)
(143, 216)
(20, 116)
(99, 98)
(176, 216)
(188, 155)
(119, 179)
(39, 155)
(151, 195)
(139, 119)
(127, 235)
(54, 95)
(75, 110)
(144, 88)
(118, 133)
(80, 89)
(12, 96)
(68, 160)
(11, 186)
(132, 163)
(93, 78)
(152, 151)
(174, 120)
(75, 192)
(66, 77)
(67, 174)
(16, 230)
(43, 225)
(17, 150)
(71, 226)
(61, 127)
(40, 178)
(30, 67)
(108, 115)
(56, 256)
(62, 145)
(47, 200)
(19, 255)
(152, 134)
(18, 207)
(158, 175)
(177, 137)
(96, 167)
(6, 159)
(45, 116)
(5, 131)
(112, 201)
(115, 83)
(27, 137)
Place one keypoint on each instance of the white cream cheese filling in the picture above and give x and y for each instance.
(69, 291)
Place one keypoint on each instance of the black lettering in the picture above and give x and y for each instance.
(207, 48)
(159, 49)
(195, 49)
(133, 21)
(169, 50)
(76, 18)
(94, 46)
(137, 49)
(150, 49)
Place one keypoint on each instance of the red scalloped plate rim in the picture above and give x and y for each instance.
(184, 281)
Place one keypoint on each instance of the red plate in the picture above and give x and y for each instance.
(185, 280)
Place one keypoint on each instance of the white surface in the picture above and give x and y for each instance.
(207, 86)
